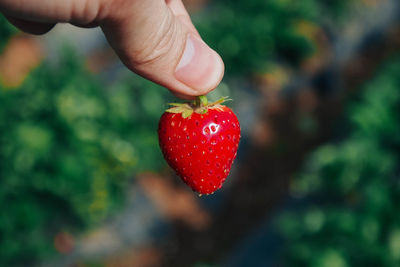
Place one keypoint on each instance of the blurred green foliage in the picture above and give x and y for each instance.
(351, 188)
(68, 143)
(6, 31)
(67, 148)
(249, 34)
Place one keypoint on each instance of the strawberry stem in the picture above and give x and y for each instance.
(200, 106)
(201, 101)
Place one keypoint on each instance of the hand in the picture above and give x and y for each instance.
(154, 38)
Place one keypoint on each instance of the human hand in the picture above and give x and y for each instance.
(154, 38)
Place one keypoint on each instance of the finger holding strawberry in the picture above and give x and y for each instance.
(199, 141)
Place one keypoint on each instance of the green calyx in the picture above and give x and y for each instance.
(200, 105)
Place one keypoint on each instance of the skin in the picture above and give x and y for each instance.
(149, 36)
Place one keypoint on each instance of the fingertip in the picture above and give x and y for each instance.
(216, 74)
(183, 96)
(200, 68)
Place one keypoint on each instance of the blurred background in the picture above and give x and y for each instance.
(316, 87)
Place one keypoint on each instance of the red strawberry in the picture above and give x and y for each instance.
(199, 141)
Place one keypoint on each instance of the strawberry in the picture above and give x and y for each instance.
(200, 141)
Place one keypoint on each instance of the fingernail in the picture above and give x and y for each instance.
(200, 67)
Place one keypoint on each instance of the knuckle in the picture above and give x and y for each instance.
(159, 44)
(84, 11)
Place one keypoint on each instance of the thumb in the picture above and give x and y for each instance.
(157, 40)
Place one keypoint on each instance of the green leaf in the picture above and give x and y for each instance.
(177, 104)
(187, 113)
(176, 110)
